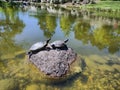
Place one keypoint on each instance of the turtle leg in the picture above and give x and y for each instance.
(65, 41)
(30, 54)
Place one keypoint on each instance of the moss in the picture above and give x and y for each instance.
(104, 5)
(8, 84)
(32, 87)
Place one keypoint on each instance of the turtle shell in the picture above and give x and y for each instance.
(38, 45)
(58, 43)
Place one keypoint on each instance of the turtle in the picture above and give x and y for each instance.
(59, 44)
(38, 47)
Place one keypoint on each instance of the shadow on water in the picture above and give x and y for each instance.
(68, 81)
(113, 61)
(98, 63)
(83, 64)
(20, 56)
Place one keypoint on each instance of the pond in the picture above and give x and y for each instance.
(94, 37)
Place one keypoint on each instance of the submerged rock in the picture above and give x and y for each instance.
(32, 87)
(54, 63)
(8, 84)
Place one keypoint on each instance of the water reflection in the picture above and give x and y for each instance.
(82, 31)
(101, 32)
(66, 23)
(96, 38)
(8, 29)
(48, 25)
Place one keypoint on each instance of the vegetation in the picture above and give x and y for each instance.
(2, 4)
(104, 5)
(7, 4)
(8, 29)
(99, 31)
(107, 35)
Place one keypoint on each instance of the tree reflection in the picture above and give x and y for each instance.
(51, 24)
(47, 23)
(102, 37)
(82, 31)
(106, 37)
(10, 25)
(66, 22)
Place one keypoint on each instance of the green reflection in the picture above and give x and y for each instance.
(100, 72)
(51, 23)
(105, 36)
(66, 22)
(10, 54)
(81, 30)
(47, 23)
(10, 25)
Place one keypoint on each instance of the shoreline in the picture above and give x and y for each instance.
(106, 6)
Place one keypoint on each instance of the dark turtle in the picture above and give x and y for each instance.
(59, 44)
(38, 47)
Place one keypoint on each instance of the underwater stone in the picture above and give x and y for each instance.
(54, 62)
(8, 84)
(32, 87)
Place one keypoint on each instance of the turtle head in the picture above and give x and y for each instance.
(53, 46)
(46, 42)
(29, 52)
(65, 41)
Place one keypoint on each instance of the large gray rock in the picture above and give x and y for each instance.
(54, 63)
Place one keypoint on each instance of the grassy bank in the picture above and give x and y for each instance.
(104, 5)
(8, 4)
(99, 6)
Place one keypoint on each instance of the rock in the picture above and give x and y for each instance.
(77, 69)
(1, 75)
(32, 87)
(54, 63)
(8, 84)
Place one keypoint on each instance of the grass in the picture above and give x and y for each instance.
(104, 5)
(105, 8)
(7, 4)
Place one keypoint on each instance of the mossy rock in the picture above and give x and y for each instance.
(32, 87)
(8, 84)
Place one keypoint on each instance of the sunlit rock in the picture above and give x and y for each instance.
(54, 63)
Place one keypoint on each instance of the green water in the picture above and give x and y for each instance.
(96, 39)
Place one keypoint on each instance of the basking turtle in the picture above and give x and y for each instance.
(59, 44)
(38, 47)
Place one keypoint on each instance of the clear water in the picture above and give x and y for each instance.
(95, 38)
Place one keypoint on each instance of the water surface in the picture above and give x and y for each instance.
(95, 38)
